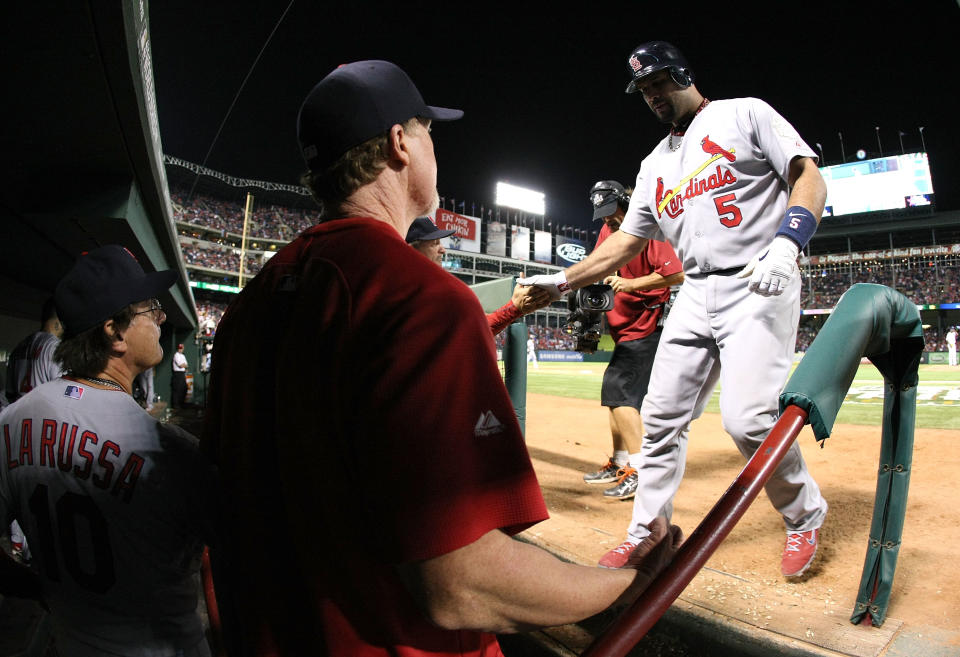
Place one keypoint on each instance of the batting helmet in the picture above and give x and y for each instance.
(655, 56)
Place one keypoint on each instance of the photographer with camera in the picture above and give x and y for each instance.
(641, 292)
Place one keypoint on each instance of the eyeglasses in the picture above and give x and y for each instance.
(156, 309)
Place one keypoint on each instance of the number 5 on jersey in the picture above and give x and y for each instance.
(729, 213)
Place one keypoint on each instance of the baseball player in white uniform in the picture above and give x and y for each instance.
(31, 361)
(952, 346)
(737, 193)
(116, 505)
(30, 364)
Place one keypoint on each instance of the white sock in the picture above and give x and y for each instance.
(621, 457)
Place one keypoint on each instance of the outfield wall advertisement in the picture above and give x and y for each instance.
(466, 236)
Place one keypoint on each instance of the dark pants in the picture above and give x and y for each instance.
(179, 388)
(626, 377)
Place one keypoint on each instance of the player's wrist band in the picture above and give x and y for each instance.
(798, 224)
(562, 283)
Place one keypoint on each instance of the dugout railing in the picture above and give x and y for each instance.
(871, 321)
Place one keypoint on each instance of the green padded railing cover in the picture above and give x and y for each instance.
(492, 295)
(882, 324)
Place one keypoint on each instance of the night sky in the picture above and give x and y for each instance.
(543, 90)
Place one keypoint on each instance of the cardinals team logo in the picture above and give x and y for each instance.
(671, 200)
(635, 63)
(673, 205)
(711, 148)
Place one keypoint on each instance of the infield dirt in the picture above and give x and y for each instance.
(568, 437)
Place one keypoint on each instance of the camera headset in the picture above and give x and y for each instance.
(606, 196)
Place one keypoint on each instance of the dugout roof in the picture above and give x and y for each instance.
(81, 154)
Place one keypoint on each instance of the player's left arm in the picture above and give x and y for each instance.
(808, 189)
(772, 269)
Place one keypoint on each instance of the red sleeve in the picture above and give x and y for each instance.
(502, 317)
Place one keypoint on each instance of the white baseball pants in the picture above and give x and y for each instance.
(719, 330)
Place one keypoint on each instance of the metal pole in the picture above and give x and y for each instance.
(243, 240)
(850, 261)
(634, 623)
(893, 263)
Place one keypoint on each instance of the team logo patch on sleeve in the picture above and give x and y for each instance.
(74, 392)
(487, 425)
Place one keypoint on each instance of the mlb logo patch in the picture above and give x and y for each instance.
(74, 392)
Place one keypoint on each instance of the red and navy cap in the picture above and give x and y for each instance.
(357, 102)
(101, 283)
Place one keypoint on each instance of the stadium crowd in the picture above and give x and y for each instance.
(930, 282)
(210, 313)
(224, 259)
(271, 222)
(923, 280)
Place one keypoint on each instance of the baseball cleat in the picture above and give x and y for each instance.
(619, 556)
(604, 475)
(799, 552)
(626, 486)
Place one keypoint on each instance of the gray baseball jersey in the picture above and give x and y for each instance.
(117, 507)
(31, 363)
(718, 193)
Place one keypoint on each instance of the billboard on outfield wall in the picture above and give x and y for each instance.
(497, 238)
(466, 236)
(560, 356)
(519, 242)
(570, 251)
(542, 247)
(880, 254)
(884, 183)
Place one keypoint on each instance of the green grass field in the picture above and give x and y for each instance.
(938, 400)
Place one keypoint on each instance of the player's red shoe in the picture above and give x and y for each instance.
(619, 556)
(799, 552)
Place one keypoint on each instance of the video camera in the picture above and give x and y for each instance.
(586, 307)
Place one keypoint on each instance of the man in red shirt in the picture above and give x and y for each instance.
(347, 344)
(642, 288)
(424, 236)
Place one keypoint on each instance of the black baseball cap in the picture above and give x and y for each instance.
(605, 195)
(424, 229)
(101, 283)
(357, 102)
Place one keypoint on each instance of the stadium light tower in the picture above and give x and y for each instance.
(520, 198)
